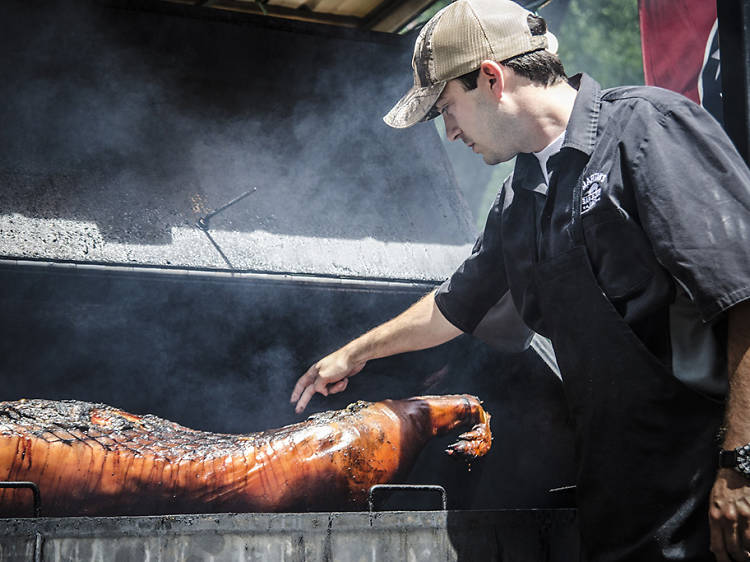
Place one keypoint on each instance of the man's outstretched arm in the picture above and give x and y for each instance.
(420, 326)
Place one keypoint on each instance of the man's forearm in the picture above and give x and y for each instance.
(738, 356)
(729, 507)
(419, 327)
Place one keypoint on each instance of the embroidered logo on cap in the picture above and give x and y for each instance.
(591, 190)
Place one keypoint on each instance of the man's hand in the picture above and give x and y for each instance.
(729, 516)
(328, 376)
(420, 326)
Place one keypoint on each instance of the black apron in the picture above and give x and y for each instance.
(645, 442)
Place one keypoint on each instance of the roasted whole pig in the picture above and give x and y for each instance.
(92, 459)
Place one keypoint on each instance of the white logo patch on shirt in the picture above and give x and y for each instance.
(591, 191)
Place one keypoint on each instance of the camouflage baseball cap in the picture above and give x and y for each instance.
(456, 41)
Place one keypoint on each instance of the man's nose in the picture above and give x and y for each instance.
(452, 131)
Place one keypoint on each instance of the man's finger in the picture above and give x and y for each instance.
(717, 543)
(304, 399)
(718, 547)
(729, 532)
(743, 531)
(339, 386)
(303, 382)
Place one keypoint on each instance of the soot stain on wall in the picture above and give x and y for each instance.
(122, 117)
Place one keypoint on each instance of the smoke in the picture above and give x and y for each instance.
(142, 111)
(139, 123)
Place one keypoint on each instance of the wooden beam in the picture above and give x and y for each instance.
(251, 7)
(300, 14)
(393, 15)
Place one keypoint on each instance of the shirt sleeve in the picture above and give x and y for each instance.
(480, 281)
(692, 192)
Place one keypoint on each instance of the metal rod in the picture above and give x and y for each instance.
(406, 488)
(203, 221)
(34, 489)
(232, 202)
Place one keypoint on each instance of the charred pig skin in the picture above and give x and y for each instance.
(93, 459)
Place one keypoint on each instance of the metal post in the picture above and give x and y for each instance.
(734, 45)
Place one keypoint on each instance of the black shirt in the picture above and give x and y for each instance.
(665, 211)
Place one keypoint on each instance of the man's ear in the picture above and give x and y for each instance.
(491, 76)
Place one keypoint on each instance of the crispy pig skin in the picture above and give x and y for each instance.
(93, 459)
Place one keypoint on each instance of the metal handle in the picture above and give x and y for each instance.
(571, 488)
(34, 489)
(406, 488)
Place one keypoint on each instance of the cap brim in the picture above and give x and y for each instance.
(415, 106)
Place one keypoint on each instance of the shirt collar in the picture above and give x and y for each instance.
(584, 119)
(580, 134)
(527, 174)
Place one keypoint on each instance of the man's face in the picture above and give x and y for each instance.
(474, 116)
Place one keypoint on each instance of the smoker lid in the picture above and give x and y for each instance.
(123, 127)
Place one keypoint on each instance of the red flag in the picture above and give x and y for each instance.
(680, 47)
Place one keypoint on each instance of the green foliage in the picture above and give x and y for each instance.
(424, 17)
(602, 38)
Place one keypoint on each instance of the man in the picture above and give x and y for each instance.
(623, 235)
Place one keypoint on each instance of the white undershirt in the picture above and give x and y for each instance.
(548, 151)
